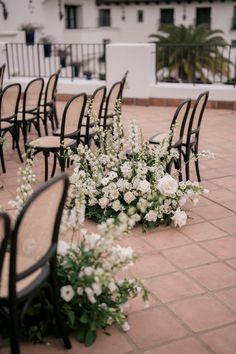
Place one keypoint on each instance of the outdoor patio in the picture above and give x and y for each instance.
(190, 272)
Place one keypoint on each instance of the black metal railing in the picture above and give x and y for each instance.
(74, 59)
(196, 63)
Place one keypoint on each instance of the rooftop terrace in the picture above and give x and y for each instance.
(190, 272)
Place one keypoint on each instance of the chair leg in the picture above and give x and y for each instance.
(56, 305)
(38, 126)
(187, 158)
(15, 139)
(46, 155)
(2, 159)
(44, 120)
(197, 164)
(54, 165)
(54, 115)
(62, 160)
(14, 328)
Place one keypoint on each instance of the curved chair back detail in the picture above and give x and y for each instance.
(193, 132)
(36, 230)
(112, 97)
(179, 121)
(9, 101)
(2, 71)
(32, 95)
(73, 116)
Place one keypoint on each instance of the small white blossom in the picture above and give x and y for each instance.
(67, 293)
(179, 218)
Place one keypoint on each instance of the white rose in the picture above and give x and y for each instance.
(144, 186)
(114, 194)
(179, 218)
(206, 191)
(67, 293)
(151, 216)
(116, 205)
(195, 201)
(129, 197)
(167, 185)
(103, 202)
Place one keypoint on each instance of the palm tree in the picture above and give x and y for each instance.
(187, 52)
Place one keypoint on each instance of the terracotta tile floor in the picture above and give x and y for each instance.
(191, 272)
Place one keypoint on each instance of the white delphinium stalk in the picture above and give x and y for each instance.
(133, 138)
(26, 179)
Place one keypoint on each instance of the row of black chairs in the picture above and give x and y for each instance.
(77, 126)
(185, 139)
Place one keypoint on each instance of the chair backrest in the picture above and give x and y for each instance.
(123, 80)
(35, 235)
(9, 101)
(72, 116)
(112, 97)
(2, 70)
(179, 122)
(50, 91)
(32, 95)
(97, 102)
(197, 115)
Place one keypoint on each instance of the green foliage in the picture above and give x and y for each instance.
(187, 52)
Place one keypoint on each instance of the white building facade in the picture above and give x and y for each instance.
(116, 21)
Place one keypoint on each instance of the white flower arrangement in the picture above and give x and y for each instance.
(87, 274)
(114, 182)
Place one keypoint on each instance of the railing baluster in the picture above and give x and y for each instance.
(8, 66)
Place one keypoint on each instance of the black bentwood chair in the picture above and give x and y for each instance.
(68, 136)
(31, 262)
(178, 126)
(191, 144)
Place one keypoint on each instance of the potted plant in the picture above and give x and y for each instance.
(88, 74)
(30, 29)
(47, 45)
(62, 52)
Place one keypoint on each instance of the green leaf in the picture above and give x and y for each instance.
(71, 317)
(90, 337)
(80, 336)
(84, 318)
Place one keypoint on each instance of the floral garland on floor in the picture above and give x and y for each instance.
(91, 295)
(135, 184)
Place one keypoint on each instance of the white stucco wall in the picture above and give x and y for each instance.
(46, 13)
